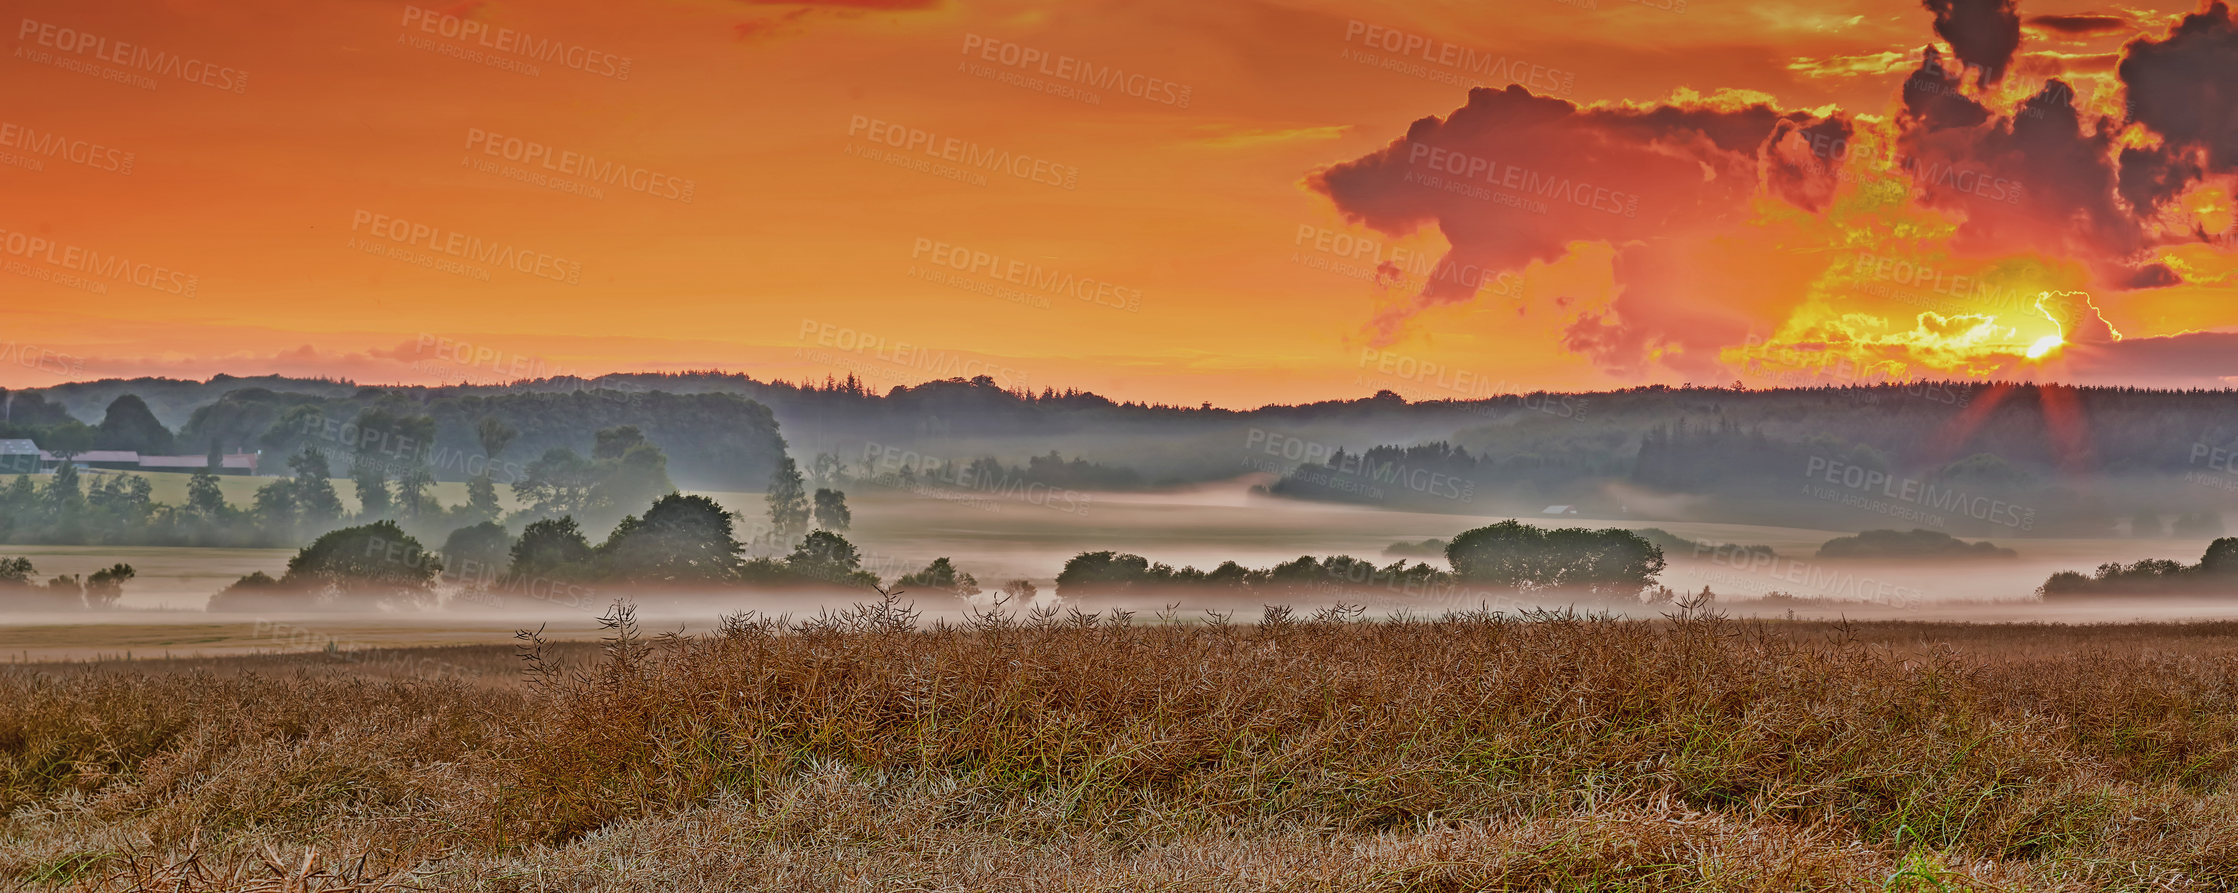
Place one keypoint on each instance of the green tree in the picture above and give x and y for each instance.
(275, 506)
(829, 557)
(106, 586)
(412, 491)
(551, 549)
(372, 481)
(477, 554)
(788, 501)
(942, 576)
(130, 425)
(481, 490)
(481, 498)
(1514, 555)
(628, 470)
(205, 497)
(557, 484)
(370, 564)
(65, 492)
(831, 510)
(681, 539)
(315, 501)
(494, 436)
(1508, 554)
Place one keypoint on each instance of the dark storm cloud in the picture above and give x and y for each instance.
(1983, 33)
(2185, 86)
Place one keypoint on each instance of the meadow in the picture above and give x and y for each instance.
(869, 749)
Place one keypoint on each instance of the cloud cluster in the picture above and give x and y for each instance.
(1684, 194)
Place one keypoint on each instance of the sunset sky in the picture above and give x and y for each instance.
(1173, 200)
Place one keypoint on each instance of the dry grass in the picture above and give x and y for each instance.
(864, 751)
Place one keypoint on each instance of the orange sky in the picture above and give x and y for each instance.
(1200, 263)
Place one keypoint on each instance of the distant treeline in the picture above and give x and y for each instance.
(714, 441)
(1964, 457)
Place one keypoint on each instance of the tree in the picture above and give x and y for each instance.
(257, 591)
(829, 557)
(2221, 559)
(205, 496)
(65, 493)
(477, 554)
(275, 505)
(612, 443)
(1510, 554)
(628, 469)
(942, 576)
(827, 470)
(681, 539)
(315, 502)
(557, 484)
(788, 501)
(831, 510)
(106, 585)
(495, 436)
(372, 564)
(481, 490)
(481, 498)
(412, 491)
(1506, 554)
(551, 549)
(129, 425)
(1103, 572)
(372, 489)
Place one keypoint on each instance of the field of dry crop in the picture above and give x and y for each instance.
(869, 751)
